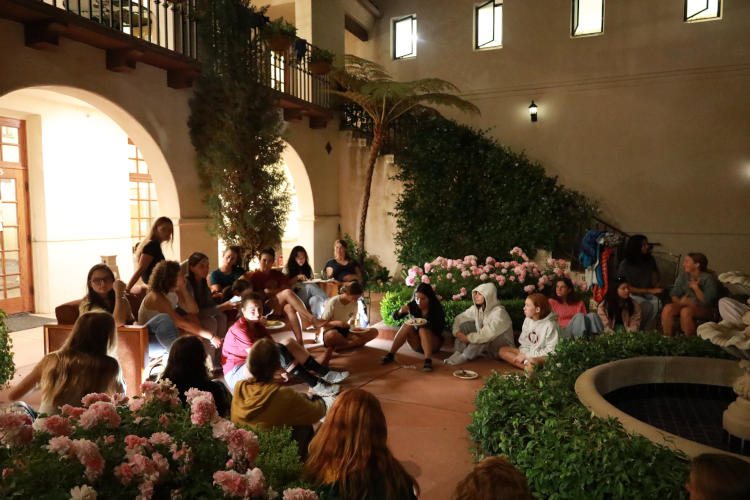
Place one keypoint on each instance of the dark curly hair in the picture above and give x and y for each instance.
(164, 276)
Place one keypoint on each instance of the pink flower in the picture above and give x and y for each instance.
(61, 445)
(409, 281)
(449, 276)
(166, 420)
(233, 483)
(299, 494)
(176, 454)
(465, 274)
(584, 286)
(498, 264)
(147, 490)
(193, 393)
(55, 425)
(440, 278)
(88, 453)
(100, 412)
(15, 429)
(222, 429)
(230, 464)
(135, 445)
(427, 267)
(7, 472)
(513, 278)
(567, 273)
(457, 297)
(463, 290)
(109, 440)
(489, 260)
(487, 269)
(561, 262)
(160, 438)
(426, 279)
(483, 276)
(203, 410)
(161, 463)
(243, 445)
(92, 398)
(504, 271)
(120, 400)
(529, 289)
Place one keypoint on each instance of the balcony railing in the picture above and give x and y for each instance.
(171, 25)
(290, 73)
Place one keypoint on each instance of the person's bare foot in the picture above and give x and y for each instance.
(317, 323)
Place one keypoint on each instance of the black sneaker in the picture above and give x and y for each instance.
(388, 358)
(427, 365)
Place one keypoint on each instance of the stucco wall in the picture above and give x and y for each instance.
(648, 119)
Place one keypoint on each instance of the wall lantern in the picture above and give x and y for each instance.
(532, 111)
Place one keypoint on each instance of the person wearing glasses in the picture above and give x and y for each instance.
(105, 293)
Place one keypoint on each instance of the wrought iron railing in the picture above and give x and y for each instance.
(354, 118)
(171, 25)
(290, 74)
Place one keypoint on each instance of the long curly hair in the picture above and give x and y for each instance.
(164, 277)
(350, 448)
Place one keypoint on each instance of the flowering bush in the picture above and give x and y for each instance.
(150, 447)
(455, 278)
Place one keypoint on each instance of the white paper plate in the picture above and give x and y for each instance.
(416, 322)
(465, 374)
(358, 330)
(275, 327)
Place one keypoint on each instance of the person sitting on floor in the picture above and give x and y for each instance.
(278, 298)
(618, 311)
(639, 268)
(168, 290)
(695, 295)
(349, 457)
(540, 334)
(105, 293)
(149, 252)
(298, 271)
(483, 327)
(262, 403)
(85, 363)
(229, 271)
(211, 316)
(716, 476)
(732, 311)
(186, 369)
(230, 292)
(250, 328)
(341, 312)
(493, 478)
(342, 268)
(426, 338)
(571, 311)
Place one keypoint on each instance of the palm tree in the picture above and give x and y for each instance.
(369, 85)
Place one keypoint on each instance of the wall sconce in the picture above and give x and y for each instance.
(532, 111)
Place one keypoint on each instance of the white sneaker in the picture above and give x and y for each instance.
(457, 358)
(334, 377)
(325, 389)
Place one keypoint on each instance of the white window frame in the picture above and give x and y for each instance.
(394, 22)
(574, 19)
(498, 6)
(692, 19)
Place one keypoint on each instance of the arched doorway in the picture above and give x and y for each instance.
(302, 216)
(96, 180)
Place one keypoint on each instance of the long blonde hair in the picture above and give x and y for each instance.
(350, 448)
(86, 362)
(152, 234)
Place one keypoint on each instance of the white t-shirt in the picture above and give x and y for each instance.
(336, 311)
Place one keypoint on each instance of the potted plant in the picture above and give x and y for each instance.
(321, 61)
(279, 35)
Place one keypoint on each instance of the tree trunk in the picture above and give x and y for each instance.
(377, 142)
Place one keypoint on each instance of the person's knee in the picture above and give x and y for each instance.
(687, 313)
(289, 309)
(330, 337)
(288, 341)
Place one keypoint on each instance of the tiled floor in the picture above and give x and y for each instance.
(427, 413)
(691, 411)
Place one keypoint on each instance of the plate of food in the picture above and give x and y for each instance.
(416, 321)
(272, 324)
(465, 374)
(358, 329)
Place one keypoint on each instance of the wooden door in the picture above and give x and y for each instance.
(16, 290)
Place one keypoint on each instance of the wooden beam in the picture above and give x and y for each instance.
(318, 122)
(355, 29)
(293, 114)
(43, 35)
(181, 78)
(122, 60)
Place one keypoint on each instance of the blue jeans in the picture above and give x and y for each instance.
(234, 376)
(162, 333)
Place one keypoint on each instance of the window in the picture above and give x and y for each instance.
(702, 10)
(588, 17)
(405, 37)
(143, 205)
(488, 25)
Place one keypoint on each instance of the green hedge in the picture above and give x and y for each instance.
(7, 366)
(566, 452)
(394, 300)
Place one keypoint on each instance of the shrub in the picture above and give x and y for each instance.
(394, 300)
(322, 55)
(465, 193)
(279, 27)
(565, 452)
(7, 366)
(153, 446)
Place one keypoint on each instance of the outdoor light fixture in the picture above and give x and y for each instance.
(532, 110)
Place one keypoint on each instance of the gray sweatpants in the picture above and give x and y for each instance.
(732, 311)
(472, 351)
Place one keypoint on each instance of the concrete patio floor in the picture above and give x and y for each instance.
(427, 413)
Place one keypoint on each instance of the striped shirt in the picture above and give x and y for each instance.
(565, 312)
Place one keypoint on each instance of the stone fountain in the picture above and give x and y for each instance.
(735, 339)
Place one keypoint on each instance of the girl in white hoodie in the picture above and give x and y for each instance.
(539, 335)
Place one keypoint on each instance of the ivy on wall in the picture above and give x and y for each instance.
(465, 194)
(236, 128)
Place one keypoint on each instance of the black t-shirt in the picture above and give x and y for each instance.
(640, 275)
(152, 248)
(341, 271)
(435, 316)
